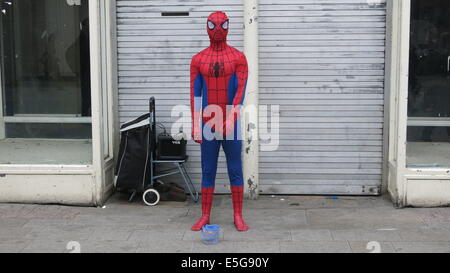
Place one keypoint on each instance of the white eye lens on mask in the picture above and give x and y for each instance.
(225, 25)
(211, 25)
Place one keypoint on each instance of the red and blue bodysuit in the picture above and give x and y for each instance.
(218, 81)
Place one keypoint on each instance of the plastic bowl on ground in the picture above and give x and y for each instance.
(211, 234)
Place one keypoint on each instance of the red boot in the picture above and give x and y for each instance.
(207, 199)
(237, 194)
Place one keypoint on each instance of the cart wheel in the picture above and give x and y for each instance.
(151, 197)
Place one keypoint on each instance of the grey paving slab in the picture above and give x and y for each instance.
(60, 233)
(13, 232)
(111, 234)
(315, 247)
(278, 224)
(165, 247)
(186, 224)
(11, 248)
(366, 235)
(421, 247)
(16, 211)
(257, 247)
(94, 246)
(222, 247)
(143, 211)
(365, 218)
(316, 202)
(156, 236)
(12, 223)
(118, 219)
(167, 226)
(45, 245)
(311, 235)
(45, 223)
(8, 245)
(435, 217)
(53, 212)
(266, 235)
(439, 224)
(368, 247)
(276, 202)
(425, 235)
(237, 247)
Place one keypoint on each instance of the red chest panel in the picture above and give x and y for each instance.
(217, 67)
(218, 78)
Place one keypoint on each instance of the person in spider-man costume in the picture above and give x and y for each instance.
(218, 81)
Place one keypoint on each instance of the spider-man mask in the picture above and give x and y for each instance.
(217, 26)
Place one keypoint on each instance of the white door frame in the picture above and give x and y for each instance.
(2, 122)
(112, 75)
(397, 69)
(103, 83)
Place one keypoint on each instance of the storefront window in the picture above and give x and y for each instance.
(46, 85)
(429, 85)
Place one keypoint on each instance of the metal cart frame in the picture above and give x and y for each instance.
(150, 195)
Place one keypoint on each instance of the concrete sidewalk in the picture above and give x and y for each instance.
(278, 224)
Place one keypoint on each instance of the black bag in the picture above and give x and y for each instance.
(134, 154)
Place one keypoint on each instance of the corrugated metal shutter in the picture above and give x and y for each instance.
(322, 61)
(154, 57)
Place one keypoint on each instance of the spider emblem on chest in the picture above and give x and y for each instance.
(216, 69)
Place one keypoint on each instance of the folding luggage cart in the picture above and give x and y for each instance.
(136, 169)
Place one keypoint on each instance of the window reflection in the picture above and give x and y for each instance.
(46, 63)
(429, 85)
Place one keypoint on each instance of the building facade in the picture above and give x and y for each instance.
(359, 89)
